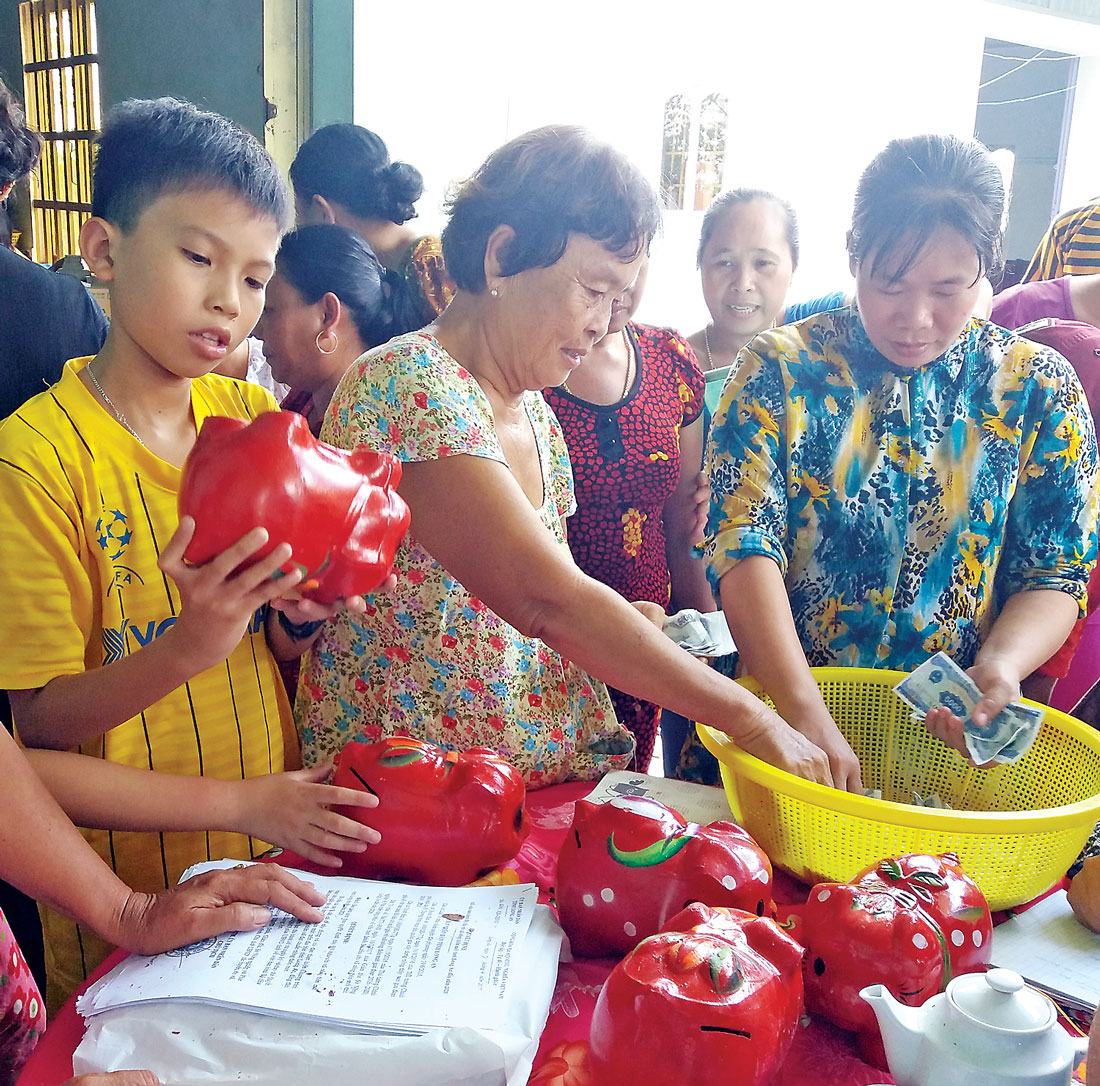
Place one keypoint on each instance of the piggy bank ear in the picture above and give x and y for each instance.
(381, 469)
(696, 915)
(215, 427)
(766, 938)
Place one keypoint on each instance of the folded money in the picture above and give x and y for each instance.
(939, 681)
(700, 634)
(932, 800)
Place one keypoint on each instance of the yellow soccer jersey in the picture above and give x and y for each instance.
(87, 509)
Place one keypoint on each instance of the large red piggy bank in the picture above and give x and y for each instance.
(714, 1000)
(338, 510)
(910, 923)
(445, 818)
(629, 864)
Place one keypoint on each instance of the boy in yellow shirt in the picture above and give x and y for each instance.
(113, 645)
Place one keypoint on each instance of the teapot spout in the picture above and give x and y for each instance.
(902, 1031)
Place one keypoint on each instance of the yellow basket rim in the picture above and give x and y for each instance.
(900, 814)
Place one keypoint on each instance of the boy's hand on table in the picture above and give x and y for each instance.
(292, 810)
(217, 604)
(209, 904)
(1084, 893)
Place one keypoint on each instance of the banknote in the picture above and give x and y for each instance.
(700, 634)
(940, 681)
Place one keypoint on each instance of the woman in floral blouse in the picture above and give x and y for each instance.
(897, 477)
(493, 636)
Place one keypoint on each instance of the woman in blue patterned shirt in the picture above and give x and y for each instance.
(897, 477)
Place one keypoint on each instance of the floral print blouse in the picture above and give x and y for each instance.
(904, 506)
(429, 659)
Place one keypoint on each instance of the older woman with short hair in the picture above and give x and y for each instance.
(493, 635)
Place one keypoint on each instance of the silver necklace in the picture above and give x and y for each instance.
(706, 340)
(118, 414)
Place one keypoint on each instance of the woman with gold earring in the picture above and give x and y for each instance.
(327, 304)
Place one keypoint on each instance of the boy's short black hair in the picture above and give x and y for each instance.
(149, 147)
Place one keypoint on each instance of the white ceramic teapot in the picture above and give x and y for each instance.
(986, 1029)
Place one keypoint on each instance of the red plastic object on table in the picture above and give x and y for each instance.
(629, 864)
(339, 510)
(910, 923)
(445, 818)
(713, 1000)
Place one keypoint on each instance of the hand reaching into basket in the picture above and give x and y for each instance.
(769, 738)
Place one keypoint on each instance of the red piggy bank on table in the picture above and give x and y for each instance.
(445, 818)
(629, 864)
(910, 923)
(712, 1001)
(338, 510)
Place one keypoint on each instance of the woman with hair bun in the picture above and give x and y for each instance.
(343, 174)
(898, 477)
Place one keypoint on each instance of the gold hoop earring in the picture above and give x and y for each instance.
(335, 341)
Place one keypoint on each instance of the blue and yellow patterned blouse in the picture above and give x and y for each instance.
(903, 506)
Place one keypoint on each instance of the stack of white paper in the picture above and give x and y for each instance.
(1053, 950)
(425, 972)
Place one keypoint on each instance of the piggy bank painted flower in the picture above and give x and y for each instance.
(713, 1000)
(445, 818)
(629, 864)
(338, 510)
(910, 923)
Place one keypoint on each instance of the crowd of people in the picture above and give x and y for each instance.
(888, 476)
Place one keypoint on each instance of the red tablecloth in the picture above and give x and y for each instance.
(820, 1056)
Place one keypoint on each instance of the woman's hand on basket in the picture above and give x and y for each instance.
(770, 738)
(821, 730)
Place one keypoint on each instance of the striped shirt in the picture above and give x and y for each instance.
(1071, 246)
(87, 510)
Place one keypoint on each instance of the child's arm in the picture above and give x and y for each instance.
(287, 809)
(215, 609)
(43, 854)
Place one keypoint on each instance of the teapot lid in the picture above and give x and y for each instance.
(1001, 999)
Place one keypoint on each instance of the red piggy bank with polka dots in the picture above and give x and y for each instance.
(712, 1001)
(910, 923)
(629, 864)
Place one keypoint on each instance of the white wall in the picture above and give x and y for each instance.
(815, 90)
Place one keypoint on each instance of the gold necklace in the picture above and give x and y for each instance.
(118, 414)
(629, 370)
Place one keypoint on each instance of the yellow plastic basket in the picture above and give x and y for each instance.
(1016, 828)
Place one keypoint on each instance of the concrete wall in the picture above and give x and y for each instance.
(209, 52)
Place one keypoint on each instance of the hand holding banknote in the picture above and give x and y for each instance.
(998, 689)
(972, 712)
